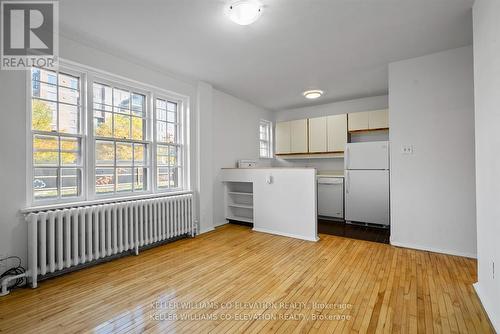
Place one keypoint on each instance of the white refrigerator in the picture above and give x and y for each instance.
(367, 182)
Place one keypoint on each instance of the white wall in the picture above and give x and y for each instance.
(487, 100)
(205, 155)
(13, 132)
(433, 191)
(235, 136)
(13, 238)
(335, 108)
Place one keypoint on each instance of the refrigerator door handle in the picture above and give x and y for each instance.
(348, 182)
(347, 158)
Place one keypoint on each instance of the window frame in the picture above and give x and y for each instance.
(182, 139)
(30, 134)
(88, 76)
(269, 126)
(147, 140)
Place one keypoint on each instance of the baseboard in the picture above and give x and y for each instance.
(207, 229)
(283, 234)
(433, 249)
(494, 322)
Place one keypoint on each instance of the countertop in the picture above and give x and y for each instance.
(330, 173)
(319, 173)
(271, 168)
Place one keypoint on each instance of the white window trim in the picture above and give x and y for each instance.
(82, 135)
(270, 141)
(183, 131)
(87, 76)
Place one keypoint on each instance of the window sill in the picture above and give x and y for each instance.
(102, 201)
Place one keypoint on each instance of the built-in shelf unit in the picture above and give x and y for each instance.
(239, 201)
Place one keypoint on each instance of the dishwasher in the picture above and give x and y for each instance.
(331, 197)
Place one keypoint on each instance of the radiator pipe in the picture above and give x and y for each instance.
(5, 283)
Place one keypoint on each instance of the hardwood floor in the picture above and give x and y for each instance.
(345, 285)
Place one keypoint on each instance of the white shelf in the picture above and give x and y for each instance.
(239, 201)
(239, 193)
(243, 206)
(239, 218)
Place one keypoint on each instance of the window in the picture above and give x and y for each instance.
(168, 145)
(121, 159)
(56, 135)
(265, 137)
(133, 134)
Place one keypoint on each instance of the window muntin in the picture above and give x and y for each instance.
(265, 139)
(57, 163)
(168, 145)
(122, 164)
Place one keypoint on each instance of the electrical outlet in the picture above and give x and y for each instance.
(407, 149)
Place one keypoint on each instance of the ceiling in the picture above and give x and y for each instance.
(340, 46)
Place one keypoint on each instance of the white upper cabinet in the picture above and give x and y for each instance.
(327, 134)
(369, 120)
(283, 139)
(378, 119)
(318, 134)
(298, 131)
(358, 121)
(337, 132)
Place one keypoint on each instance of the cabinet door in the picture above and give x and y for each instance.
(379, 119)
(317, 134)
(358, 121)
(283, 139)
(298, 130)
(337, 133)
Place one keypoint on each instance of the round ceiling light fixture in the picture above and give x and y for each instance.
(244, 12)
(312, 94)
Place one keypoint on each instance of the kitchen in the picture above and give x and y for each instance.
(349, 154)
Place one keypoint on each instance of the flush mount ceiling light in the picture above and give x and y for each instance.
(244, 12)
(312, 94)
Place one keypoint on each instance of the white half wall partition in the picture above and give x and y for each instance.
(487, 100)
(431, 106)
(284, 199)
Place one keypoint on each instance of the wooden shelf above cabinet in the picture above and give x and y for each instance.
(369, 130)
(312, 155)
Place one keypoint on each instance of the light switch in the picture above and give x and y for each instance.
(407, 149)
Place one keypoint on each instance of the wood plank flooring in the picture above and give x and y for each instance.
(234, 280)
